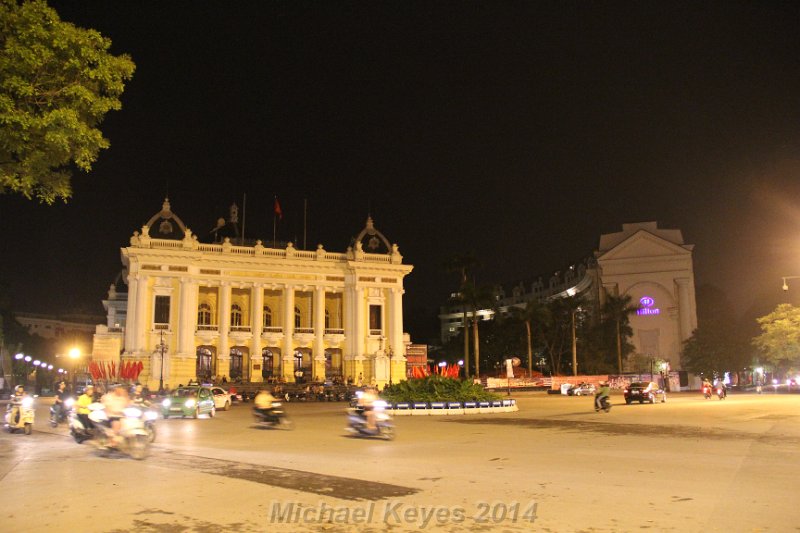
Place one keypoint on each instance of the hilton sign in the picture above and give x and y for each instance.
(646, 304)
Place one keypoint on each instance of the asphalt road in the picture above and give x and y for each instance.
(687, 465)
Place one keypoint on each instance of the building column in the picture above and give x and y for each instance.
(143, 303)
(257, 299)
(359, 335)
(187, 317)
(130, 319)
(684, 305)
(287, 366)
(223, 356)
(397, 363)
(318, 351)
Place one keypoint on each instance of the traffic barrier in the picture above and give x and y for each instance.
(438, 408)
(455, 408)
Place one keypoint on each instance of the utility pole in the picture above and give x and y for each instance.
(574, 346)
(161, 376)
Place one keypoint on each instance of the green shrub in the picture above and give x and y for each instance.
(437, 389)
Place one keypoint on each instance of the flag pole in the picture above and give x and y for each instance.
(305, 217)
(274, 223)
(244, 214)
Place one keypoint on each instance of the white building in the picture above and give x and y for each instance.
(652, 265)
(203, 311)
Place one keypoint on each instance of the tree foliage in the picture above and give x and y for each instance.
(437, 389)
(779, 341)
(57, 82)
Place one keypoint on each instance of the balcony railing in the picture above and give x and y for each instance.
(207, 327)
(161, 327)
(273, 329)
(334, 331)
(240, 329)
(375, 332)
(304, 330)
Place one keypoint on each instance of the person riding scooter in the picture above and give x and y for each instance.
(263, 402)
(366, 403)
(82, 406)
(602, 393)
(115, 403)
(16, 402)
(60, 404)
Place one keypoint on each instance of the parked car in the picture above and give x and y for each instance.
(644, 391)
(584, 389)
(222, 398)
(189, 401)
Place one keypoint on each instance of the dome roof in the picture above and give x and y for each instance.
(165, 224)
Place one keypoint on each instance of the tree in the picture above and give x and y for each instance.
(617, 309)
(779, 341)
(57, 82)
(461, 264)
(533, 312)
(476, 298)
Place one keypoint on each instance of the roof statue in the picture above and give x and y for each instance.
(373, 241)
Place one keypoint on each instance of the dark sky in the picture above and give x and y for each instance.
(519, 130)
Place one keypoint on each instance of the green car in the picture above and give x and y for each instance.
(189, 401)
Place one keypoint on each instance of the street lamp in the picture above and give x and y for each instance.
(163, 347)
(786, 285)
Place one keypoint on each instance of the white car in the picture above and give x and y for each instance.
(222, 398)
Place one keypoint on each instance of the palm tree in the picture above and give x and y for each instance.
(617, 308)
(476, 298)
(533, 312)
(461, 264)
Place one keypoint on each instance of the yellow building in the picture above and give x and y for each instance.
(197, 311)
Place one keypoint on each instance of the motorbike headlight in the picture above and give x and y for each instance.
(167, 402)
(27, 402)
(150, 415)
(132, 412)
(190, 403)
(276, 404)
(69, 403)
(380, 404)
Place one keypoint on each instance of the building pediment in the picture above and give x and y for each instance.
(644, 244)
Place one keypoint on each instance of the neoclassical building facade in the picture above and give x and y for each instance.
(255, 313)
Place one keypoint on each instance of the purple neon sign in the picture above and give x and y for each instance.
(646, 304)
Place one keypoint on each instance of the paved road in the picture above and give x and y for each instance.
(687, 465)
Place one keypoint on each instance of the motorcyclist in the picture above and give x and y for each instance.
(59, 406)
(602, 392)
(721, 386)
(16, 402)
(707, 385)
(139, 399)
(263, 401)
(82, 406)
(115, 403)
(366, 403)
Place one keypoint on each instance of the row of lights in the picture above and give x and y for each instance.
(41, 364)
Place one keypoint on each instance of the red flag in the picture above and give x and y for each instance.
(139, 371)
(125, 368)
(278, 212)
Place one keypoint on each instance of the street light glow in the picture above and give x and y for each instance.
(28, 358)
(19, 356)
(74, 353)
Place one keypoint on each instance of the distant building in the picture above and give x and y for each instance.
(254, 313)
(652, 265)
(67, 326)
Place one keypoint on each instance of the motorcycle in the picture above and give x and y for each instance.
(357, 423)
(59, 415)
(20, 415)
(605, 404)
(132, 438)
(82, 433)
(707, 392)
(721, 393)
(273, 417)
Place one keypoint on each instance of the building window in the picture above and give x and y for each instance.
(296, 317)
(267, 361)
(327, 319)
(298, 362)
(237, 364)
(267, 317)
(236, 316)
(203, 368)
(204, 315)
(375, 320)
(162, 310)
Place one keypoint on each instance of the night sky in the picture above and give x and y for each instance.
(519, 130)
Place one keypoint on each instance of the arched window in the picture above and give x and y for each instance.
(203, 315)
(267, 362)
(298, 361)
(236, 364)
(327, 319)
(296, 317)
(267, 317)
(203, 365)
(236, 315)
